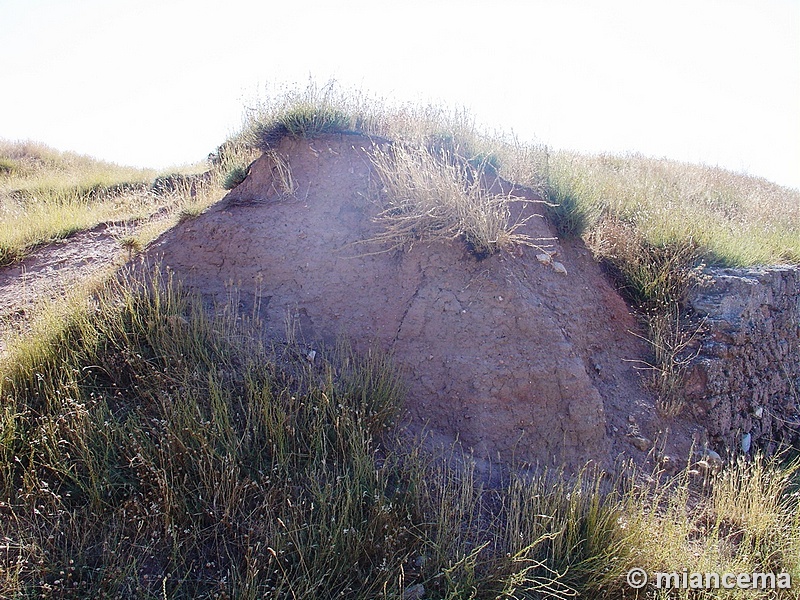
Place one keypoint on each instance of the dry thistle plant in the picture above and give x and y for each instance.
(429, 195)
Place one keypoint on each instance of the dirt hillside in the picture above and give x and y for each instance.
(510, 356)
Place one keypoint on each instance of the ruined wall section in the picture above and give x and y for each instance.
(744, 383)
(504, 354)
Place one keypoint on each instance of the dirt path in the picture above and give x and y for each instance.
(47, 274)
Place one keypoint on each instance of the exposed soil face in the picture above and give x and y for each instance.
(505, 354)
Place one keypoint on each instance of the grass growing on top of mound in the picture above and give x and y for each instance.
(732, 219)
(427, 196)
(319, 109)
(149, 450)
(432, 176)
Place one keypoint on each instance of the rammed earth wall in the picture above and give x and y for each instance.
(744, 383)
(509, 356)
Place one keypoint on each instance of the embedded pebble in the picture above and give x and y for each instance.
(558, 267)
(746, 441)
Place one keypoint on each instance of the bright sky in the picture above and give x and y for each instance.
(163, 82)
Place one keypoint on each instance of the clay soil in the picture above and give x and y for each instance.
(505, 354)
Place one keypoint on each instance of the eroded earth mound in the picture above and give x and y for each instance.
(510, 356)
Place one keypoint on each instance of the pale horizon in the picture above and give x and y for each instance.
(160, 84)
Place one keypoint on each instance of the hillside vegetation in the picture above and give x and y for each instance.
(652, 221)
(725, 218)
(47, 195)
(151, 450)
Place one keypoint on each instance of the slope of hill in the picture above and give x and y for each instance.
(67, 218)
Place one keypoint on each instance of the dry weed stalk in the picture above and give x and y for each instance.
(429, 195)
(283, 182)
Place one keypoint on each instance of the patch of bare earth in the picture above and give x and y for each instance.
(50, 272)
(512, 357)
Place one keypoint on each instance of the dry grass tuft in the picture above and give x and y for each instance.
(742, 520)
(429, 195)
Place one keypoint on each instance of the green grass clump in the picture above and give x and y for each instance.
(7, 166)
(162, 451)
(149, 450)
(306, 120)
(299, 114)
(234, 177)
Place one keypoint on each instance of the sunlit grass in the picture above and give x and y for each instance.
(41, 174)
(46, 195)
(24, 228)
(655, 223)
(319, 109)
(427, 195)
(147, 447)
(735, 220)
(744, 520)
